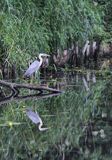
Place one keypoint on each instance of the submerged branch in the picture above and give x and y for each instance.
(43, 92)
(15, 86)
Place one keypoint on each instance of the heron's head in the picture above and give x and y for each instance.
(44, 55)
(28, 109)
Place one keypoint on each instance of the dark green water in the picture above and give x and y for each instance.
(79, 121)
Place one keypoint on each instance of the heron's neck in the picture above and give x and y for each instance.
(42, 129)
(40, 59)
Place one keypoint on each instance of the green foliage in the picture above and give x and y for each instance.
(29, 27)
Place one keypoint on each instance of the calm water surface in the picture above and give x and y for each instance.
(79, 120)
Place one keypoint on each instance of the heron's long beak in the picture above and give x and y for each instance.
(47, 55)
(44, 55)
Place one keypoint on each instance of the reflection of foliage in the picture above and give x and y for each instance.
(101, 120)
(71, 120)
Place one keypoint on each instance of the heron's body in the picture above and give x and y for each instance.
(34, 66)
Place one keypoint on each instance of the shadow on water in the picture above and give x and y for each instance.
(79, 119)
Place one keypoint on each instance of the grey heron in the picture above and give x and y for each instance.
(35, 118)
(35, 66)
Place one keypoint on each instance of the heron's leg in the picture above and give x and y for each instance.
(31, 82)
(37, 76)
(32, 77)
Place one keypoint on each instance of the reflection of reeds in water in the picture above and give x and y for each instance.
(71, 123)
(75, 78)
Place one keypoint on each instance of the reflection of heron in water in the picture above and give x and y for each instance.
(35, 66)
(35, 118)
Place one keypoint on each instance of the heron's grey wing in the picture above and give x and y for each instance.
(33, 116)
(32, 68)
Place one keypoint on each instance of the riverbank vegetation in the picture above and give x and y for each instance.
(30, 27)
